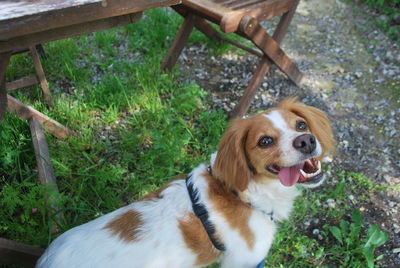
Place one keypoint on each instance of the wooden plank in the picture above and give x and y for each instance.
(68, 31)
(44, 166)
(214, 11)
(36, 16)
(20, 254)
(45, 169)
(254, 32)
(42, 78)
(21, 83)
(263, 10)
(26, 112)
(179, 43)
(4, 59)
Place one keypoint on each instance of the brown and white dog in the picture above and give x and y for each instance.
(233, 204)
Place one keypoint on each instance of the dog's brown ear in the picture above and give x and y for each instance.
(231, 164)
(317, 121)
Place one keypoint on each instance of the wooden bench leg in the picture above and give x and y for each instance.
(254, 32)
(42, 78)
(263, 67)
(4, 59)
(180, 41)
(25, 112)
(14, 253)
(45, 168)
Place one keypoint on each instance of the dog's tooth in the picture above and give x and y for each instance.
(305, 175)
(315, 173)
(319, 165)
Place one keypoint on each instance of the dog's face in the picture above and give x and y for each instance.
(285, 143)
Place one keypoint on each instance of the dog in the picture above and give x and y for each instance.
(226, 211)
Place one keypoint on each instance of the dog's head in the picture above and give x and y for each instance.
(285, 143)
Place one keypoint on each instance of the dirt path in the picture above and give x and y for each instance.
(353, 73)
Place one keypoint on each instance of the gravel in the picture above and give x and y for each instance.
(352, 72)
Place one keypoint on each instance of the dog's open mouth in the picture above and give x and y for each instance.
(308, 172)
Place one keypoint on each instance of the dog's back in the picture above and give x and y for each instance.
(142, 234)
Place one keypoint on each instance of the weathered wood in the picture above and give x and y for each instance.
(19, 18)
(20, 254)
(67, 31)
(4, 59)
(202, 25)
(179, 43)
(42, 78)
(254, 32)
(26, 112)
(228, 14)
(21, 83)
(45, 169)
(263, 67)
(284, 23)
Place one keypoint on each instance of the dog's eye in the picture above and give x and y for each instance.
(265, 141)
(301, 125)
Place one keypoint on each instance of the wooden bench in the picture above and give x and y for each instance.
(242, 17)
(25, 24)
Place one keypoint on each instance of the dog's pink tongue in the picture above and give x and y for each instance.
(290, 175)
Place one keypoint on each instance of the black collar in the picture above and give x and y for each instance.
(201, 212)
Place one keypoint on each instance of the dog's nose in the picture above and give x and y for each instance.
(305, 143)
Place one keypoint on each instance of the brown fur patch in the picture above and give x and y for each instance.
(235, 211)
(231, 165)
(126, 225)
(196, 238)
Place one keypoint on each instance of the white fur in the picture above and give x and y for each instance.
(160, 242)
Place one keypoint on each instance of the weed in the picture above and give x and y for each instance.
(349, 236)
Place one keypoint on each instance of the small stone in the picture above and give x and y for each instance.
(396, 250)
(351, 197)
(315, 231)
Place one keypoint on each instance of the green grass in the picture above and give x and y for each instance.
(137, 128)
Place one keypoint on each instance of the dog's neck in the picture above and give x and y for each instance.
(267, 195)
(270, 196)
